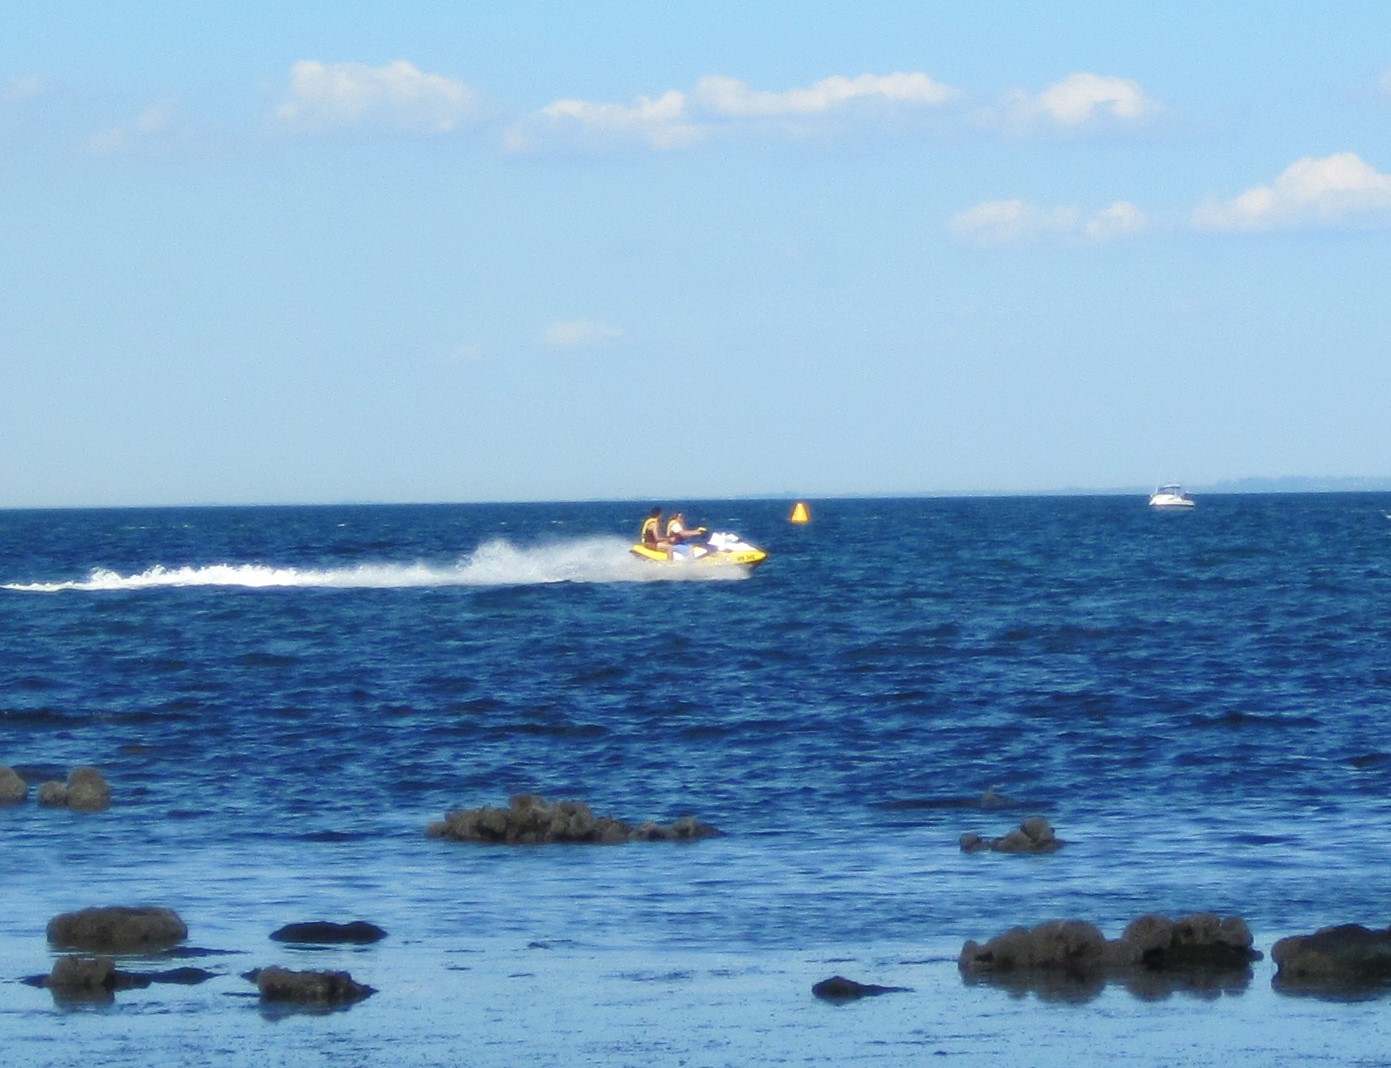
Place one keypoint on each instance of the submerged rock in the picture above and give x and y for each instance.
(326, 932)
(531, 820)
(309, 987)
(117, 929)
(13, 789)
(85, 791)
(839, 988)
(1034, 835)
(1347, 955)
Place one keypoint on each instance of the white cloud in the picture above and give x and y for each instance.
(578, 333)
(24, 87)
(1119, 220)
(678, 119)
(1338, 189)
(1082, 100)
(999, 222)
(397, 96)
(660, 123)
(1005, 222)
(154, 122)
(731, 97)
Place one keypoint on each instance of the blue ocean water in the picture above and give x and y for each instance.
(283, 698)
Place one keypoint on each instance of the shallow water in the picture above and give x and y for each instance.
(283, 698)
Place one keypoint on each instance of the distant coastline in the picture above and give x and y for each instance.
(1286, 484)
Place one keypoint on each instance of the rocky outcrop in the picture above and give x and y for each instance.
(308, 987)
(13, 789)
(85, 791)
(531, 820)
(326, 932)
(1202, 941)
(98, 978)
(1347, 956)
(1188, 951)
(82, 977)
(839, 988)
(117, 929)
(1034, 835)
(1058, 945)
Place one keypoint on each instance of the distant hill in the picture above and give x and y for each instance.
(1292, 484)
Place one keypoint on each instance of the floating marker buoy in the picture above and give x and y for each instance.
(800, 513)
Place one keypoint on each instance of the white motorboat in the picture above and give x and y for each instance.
(1170, 495)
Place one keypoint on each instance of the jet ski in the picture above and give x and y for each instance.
(716, 549)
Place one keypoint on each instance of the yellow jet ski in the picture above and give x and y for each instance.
(716, 549)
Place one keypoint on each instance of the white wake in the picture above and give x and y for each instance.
(494, 563)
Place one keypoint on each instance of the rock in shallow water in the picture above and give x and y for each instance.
(308, 987)
(1034, 835)
(13, 789)
(78, 977)
(1349, 954)
(839, 988)
(326, 932)
(85, 791)
(117, 929)
(531, 820)
(1201, 942)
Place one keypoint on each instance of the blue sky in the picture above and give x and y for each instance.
(262, 253)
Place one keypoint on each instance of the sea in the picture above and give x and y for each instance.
(284, 698)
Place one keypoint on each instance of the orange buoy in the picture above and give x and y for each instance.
(800, 513)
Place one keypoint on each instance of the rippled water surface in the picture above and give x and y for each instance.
(283, 698)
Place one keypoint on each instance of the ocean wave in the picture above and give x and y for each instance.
(494, 563)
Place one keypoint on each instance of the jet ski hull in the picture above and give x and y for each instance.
(719, 551)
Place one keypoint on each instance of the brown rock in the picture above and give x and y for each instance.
(1349, 953)
(88, 790)
(1202, 940)
(85, 791)
(309, 987)
(1034, 835)
(13, 789)
(117, 929)
(1068, 945)
(531, 820)
(82, 977)
(53, 794)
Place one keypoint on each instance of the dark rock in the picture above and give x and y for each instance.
(839, 988)
(1034, 835)
(13, 789)
(1348, 955)
(182, 976)
(531, 820)
(326, 932)
(117, 929)
(308, 987)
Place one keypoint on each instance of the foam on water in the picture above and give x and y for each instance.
(497, 562)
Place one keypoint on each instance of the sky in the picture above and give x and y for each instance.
(360, 251)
